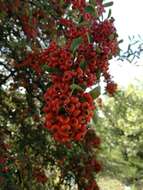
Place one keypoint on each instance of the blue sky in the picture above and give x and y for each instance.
(128, 16)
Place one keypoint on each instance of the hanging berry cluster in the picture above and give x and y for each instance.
(83, 162)
(76, 59)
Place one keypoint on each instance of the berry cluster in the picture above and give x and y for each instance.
(4, 168)
(68, 107)
(74, 66)
(80, 43)
(83, 164)
(39, 175)
(92, 166)
(67, 115)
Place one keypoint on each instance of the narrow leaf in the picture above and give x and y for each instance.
(120, 41)
(83, 65)
(111, 37)
(50, 69)
(109, 4)
(75, 43)
(109, 13)
(90, 9)
(76, 87)
(95, 92)
(93, 2)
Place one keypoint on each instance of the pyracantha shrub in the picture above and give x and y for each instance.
(58, 52)
(74, 65)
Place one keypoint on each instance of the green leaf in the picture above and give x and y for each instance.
(90, 9)
(95, 117)
(120, 41)
(109, 13)
(95, 92)
(50, 69)
(90, 38)
(98, 50)
(75, 43)
(111, 37)
(83, 65)
(109, 4)
(81, 19)
(76, 87)
(93, 2)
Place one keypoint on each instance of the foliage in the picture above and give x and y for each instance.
(51, 53)
(121, 119)
(31, 159)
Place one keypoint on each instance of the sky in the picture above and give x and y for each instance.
(128, 16)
